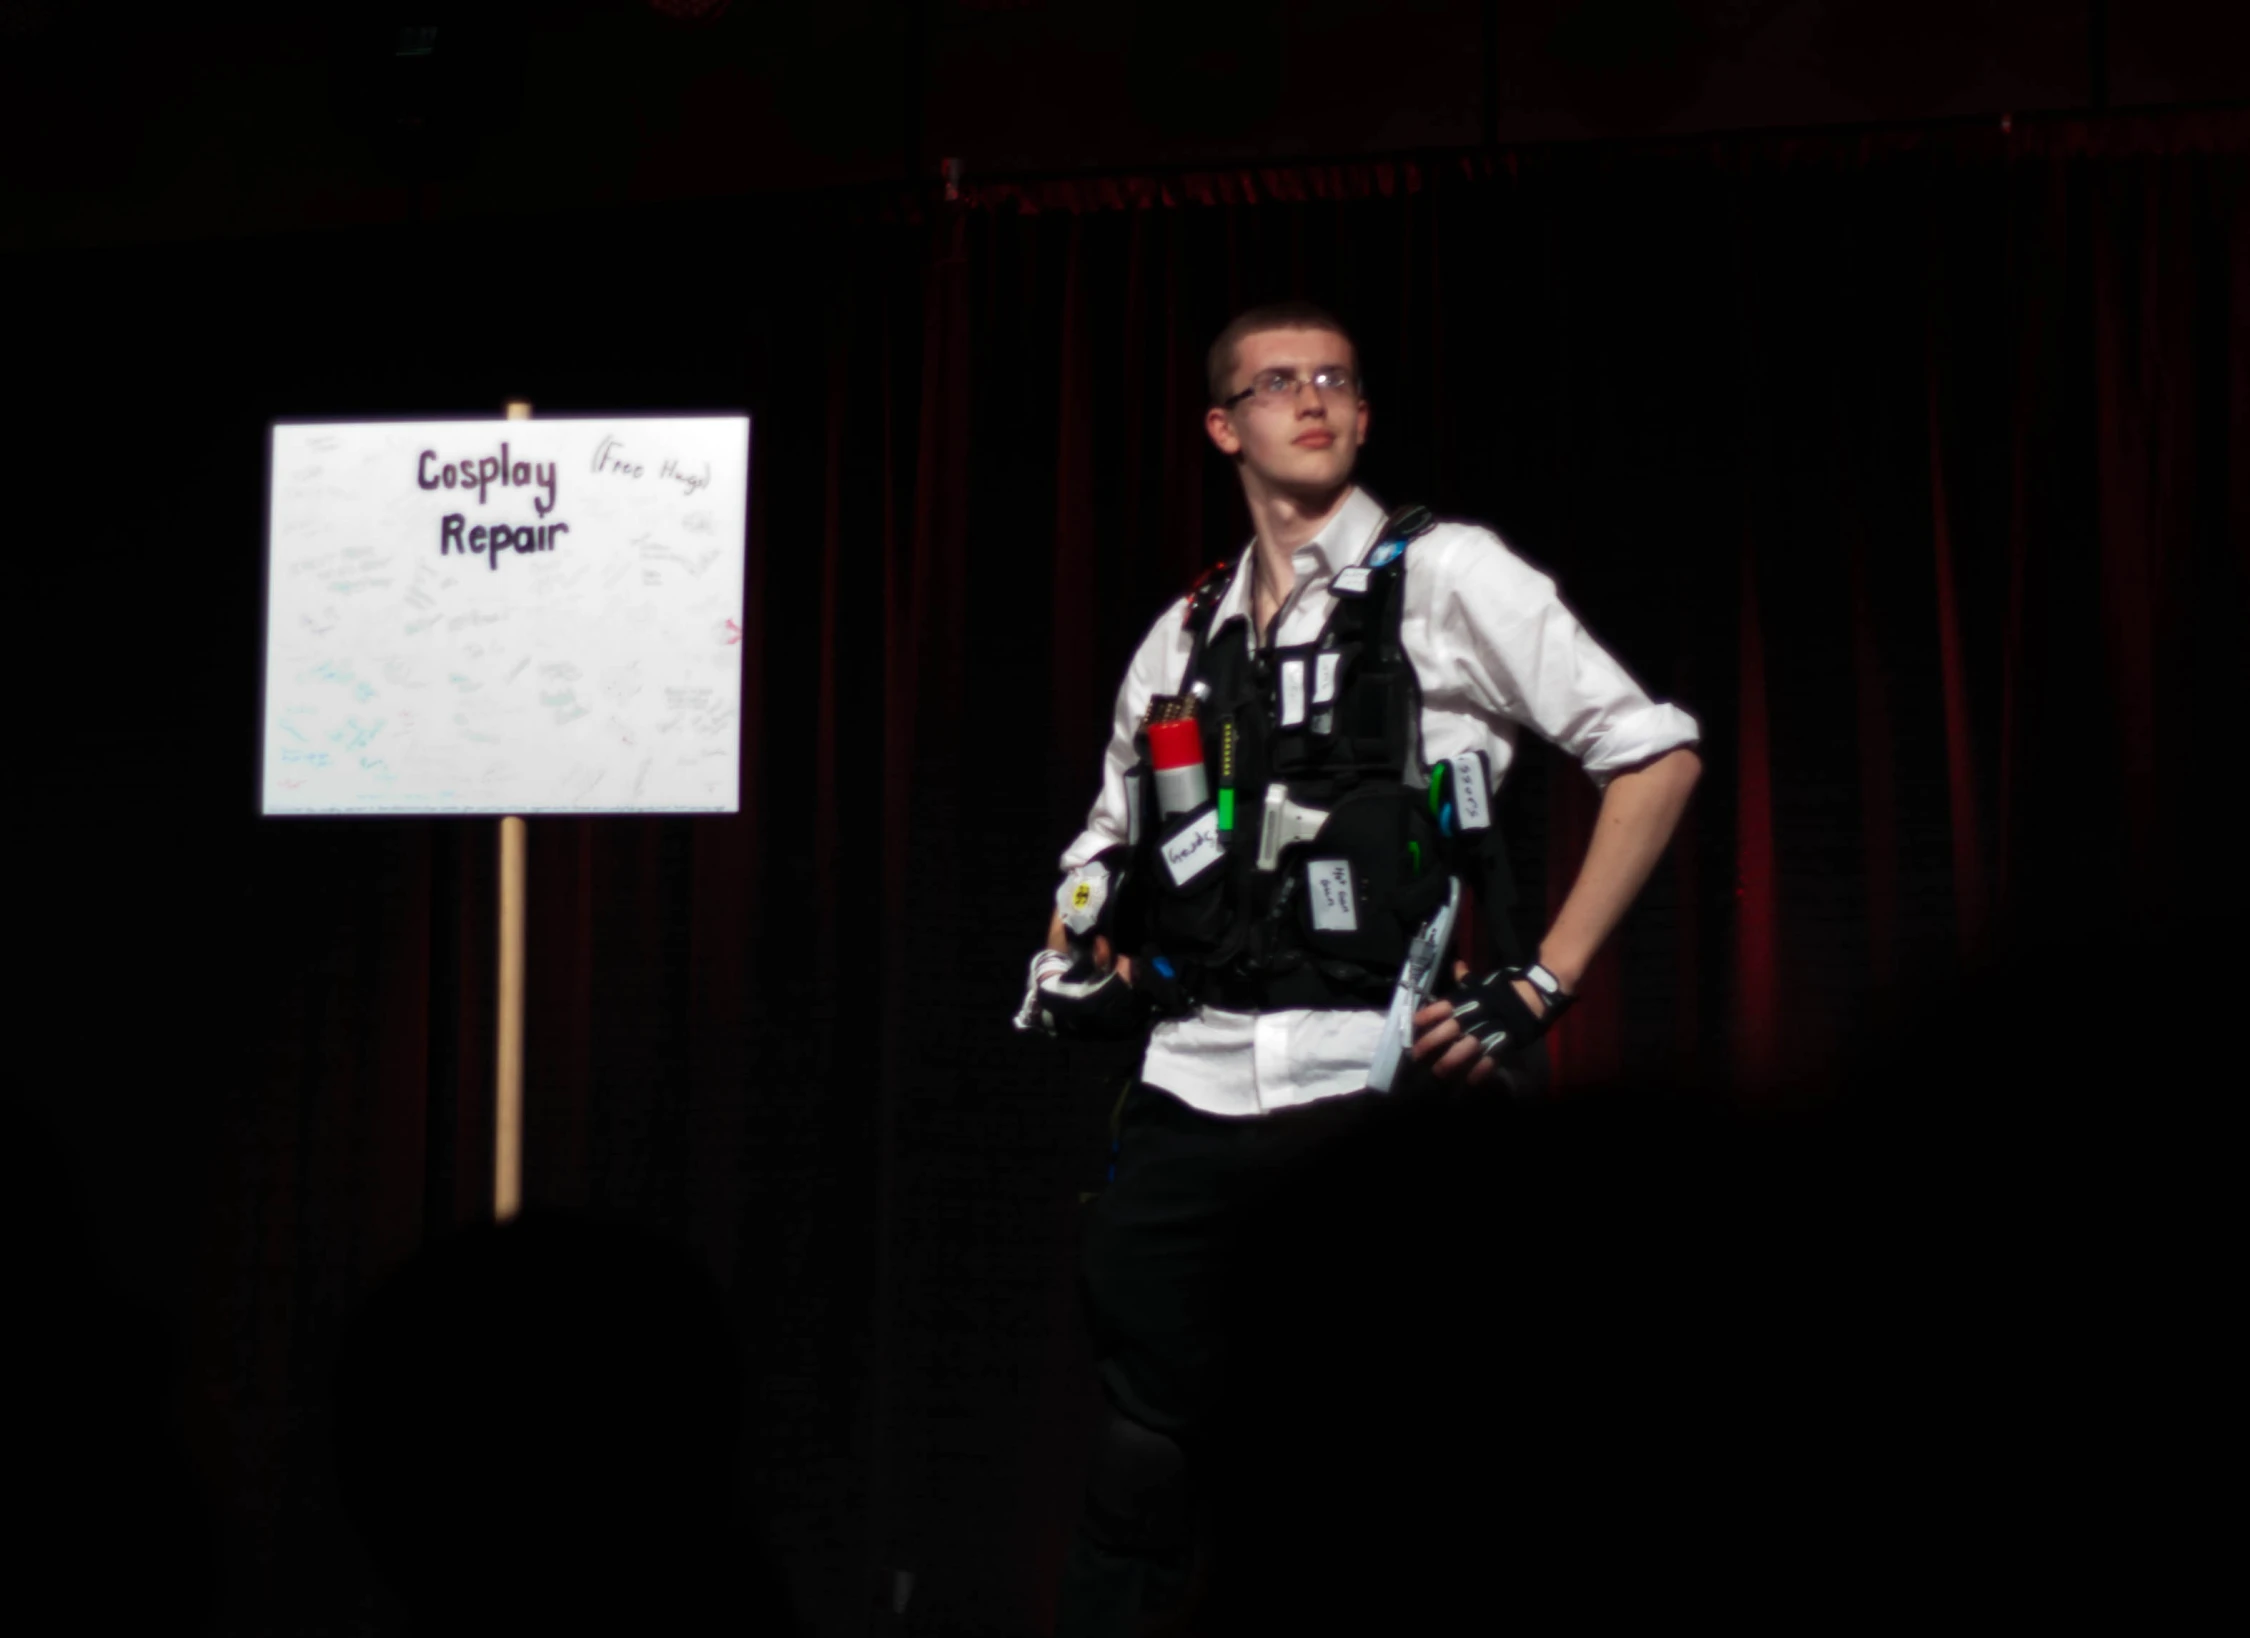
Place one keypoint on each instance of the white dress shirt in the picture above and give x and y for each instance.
(1495, 650)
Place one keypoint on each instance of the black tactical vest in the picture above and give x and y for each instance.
(1307, 752)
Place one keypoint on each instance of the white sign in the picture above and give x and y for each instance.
(505, 617)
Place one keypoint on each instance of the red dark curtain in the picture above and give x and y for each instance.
(1910, 462)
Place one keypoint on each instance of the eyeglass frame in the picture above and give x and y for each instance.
(1297, 383)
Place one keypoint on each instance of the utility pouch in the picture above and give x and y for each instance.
(1129, 913)
(1307, 680)
(1310, 684)
(1370, 878)
(1187, 892)
(1377, 713)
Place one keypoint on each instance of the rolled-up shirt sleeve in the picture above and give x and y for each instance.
(1157, 663)
(1525, 655)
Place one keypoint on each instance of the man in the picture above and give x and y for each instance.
(1356, 685)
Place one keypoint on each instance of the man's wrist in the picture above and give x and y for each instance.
(1567, 972)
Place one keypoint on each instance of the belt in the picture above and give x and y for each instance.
(1334, 985)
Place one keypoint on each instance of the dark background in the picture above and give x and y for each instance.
(1901, 444)
(132, 122)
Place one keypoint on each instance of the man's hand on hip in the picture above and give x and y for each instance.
(1449, 1053)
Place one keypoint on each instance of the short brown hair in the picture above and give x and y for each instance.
(1281, 315)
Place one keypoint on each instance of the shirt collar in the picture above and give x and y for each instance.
(1344, 539)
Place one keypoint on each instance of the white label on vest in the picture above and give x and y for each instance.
(1324, 678)
(1333, 908)
(1349, 582)
(1081, 897)
(1469, 810)
(1195, 850)
(1292, 693)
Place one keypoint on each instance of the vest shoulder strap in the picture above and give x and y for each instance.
(1407, 523)
(1381, 602)
(1201, 602)
(1203, 596)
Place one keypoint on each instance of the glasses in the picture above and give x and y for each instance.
(1272, 386)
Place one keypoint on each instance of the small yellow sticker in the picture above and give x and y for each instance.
(1081, 895)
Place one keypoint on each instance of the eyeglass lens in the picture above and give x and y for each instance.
(1278, 383)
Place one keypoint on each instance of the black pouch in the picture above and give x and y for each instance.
(1311, 743)
(1376, 711)
(1369, 879)
(1128, 909)
(1188, 916)
(1296, 674)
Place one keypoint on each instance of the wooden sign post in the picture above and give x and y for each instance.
(507, 1091)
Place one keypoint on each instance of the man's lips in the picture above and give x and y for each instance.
(1318, 440)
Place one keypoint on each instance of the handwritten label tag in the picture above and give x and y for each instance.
(1324, 678)
(1470, 811)
(1292, 693)
(1351, 582)
(1195, 850)
(1334, 910)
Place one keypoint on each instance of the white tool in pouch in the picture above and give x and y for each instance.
(1414, 981)
(1285, 822)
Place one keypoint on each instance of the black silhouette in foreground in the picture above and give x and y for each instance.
(540, 1427)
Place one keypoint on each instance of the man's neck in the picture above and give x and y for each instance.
(1285, 521)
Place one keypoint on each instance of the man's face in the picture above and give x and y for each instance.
(1306, 443)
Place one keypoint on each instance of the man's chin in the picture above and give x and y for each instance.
(1314, 493)
(1323, 478)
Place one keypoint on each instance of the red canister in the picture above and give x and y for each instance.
(1175, 753)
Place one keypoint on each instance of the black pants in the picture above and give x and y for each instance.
(1171, 1263)
(1255, 1289)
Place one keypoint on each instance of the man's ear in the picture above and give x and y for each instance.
(1222, 431)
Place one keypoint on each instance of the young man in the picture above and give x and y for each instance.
(1357, 684)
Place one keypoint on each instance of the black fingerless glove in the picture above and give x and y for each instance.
(1076, 1001)
(1501, 1022)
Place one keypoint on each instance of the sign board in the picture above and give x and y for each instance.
(505, 617)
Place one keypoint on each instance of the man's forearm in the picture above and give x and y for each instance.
(1639, 812)
(1057, 937)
